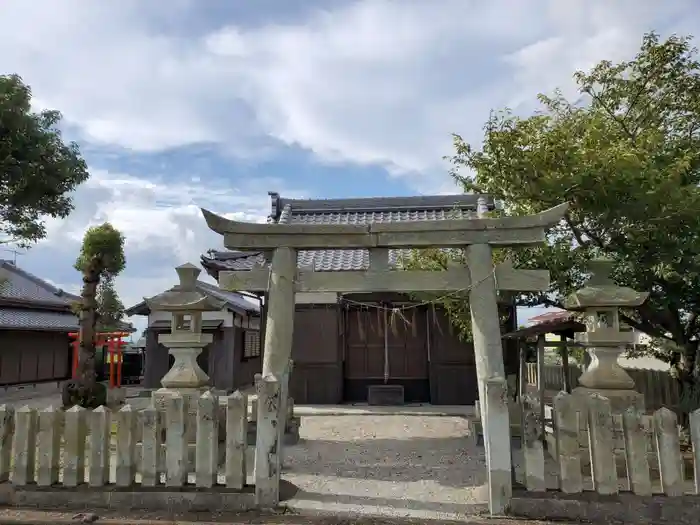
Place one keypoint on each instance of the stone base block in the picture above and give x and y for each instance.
(190, 397)
(620, 400)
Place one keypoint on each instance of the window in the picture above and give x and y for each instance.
(251, 344)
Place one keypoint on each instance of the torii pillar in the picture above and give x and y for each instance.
(490, 370)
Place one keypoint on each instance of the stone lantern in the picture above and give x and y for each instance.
(600, 301)
(185, 341)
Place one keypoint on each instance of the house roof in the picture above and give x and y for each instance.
(28, 302)
(234, 301)
(24, 319)
(348, 211)
(16, 283)
(549, 317)
(560, 322)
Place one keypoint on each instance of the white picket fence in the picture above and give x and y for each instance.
(144, 448)
(641, 438)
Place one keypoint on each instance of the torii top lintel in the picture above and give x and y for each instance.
(502, 231)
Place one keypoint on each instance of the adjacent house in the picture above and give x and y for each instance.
(344, 343)
(35, 320)
(231, 360)
(556, 319)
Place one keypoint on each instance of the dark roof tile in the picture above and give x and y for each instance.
(348, 211)
(16, 283)
(23, 319)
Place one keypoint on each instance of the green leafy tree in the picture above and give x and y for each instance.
(101, 258)
(626, 155)
(110, 309)
(39, 170)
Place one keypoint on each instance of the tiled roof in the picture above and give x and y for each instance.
(16, 283)
(24, 319)
(348, 211)
(548, 317)
(33, 303)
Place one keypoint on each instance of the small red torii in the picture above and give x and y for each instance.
(114, 343)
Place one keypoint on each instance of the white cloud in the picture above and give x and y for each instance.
(374, 81)
(366, 82)
(154, 213)
(162, 224)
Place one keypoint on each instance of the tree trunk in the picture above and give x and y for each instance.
(84, 390)
(88, 327)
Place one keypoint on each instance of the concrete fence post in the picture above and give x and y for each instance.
(566, 428)
(150, 446)
(176, 450)
(49, 446)
(24, 446)
(7, 429)
(695, 438)
(638, 475)
(100, 425)
(601, 444)
(74, 446)
(533, 449)
(668, 451)
(236, 440)
(126, 446)
(207, 441)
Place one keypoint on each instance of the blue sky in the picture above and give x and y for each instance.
(213, 103)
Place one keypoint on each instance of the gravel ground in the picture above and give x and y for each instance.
(406, 466)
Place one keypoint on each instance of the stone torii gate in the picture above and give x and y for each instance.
(281, 280)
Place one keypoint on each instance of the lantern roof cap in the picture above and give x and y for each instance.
(185, 296)
(601, 290)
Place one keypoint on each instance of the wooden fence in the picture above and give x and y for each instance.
(145, 448)
(594, 412)
(657, 386)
